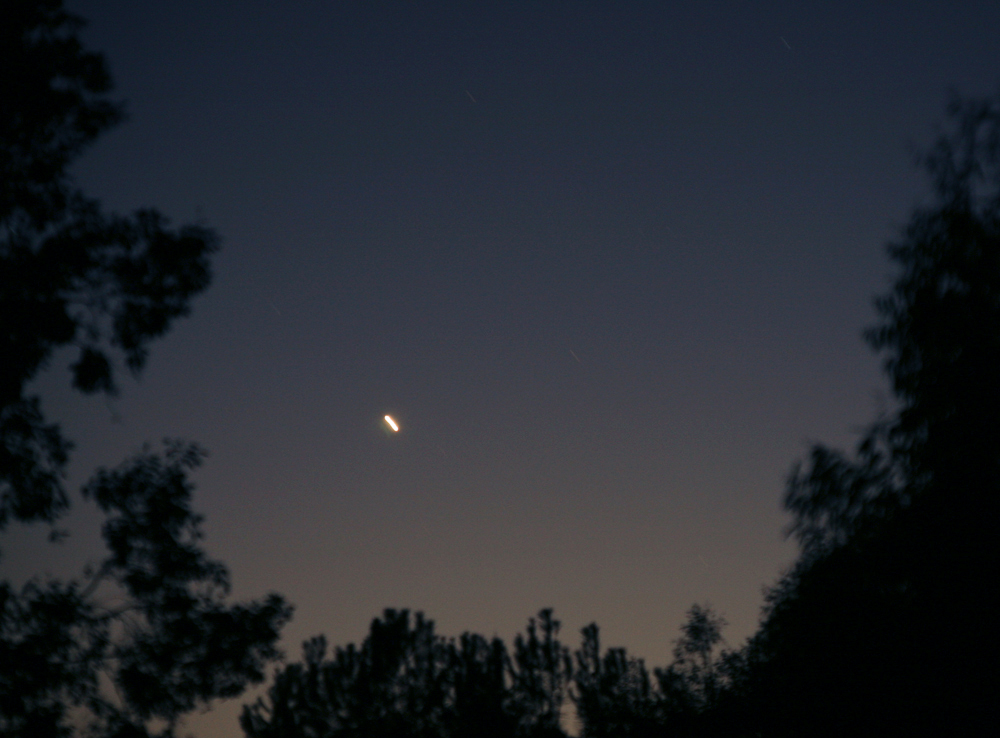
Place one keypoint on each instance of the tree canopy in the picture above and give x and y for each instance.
(71, 274)
(144, 636)
(406, 681)
(887, 620)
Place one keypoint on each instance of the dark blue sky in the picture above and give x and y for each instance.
(607, 264)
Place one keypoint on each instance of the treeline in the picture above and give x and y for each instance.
(886, 625)
(406, 680)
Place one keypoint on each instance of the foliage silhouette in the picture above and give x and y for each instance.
(146, 635)
(478, 670)
(70, 275)
(613, 694)
(886, 623)
(161, 632)
(404, 680)
(540, 674)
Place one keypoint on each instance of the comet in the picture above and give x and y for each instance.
(391, 422)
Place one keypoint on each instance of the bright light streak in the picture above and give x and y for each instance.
(392, 423)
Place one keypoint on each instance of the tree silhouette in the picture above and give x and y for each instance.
(71, 275)
(393, 685)
(144, 636)
(404, 680)
(690, 685)
(541, 673)
(161, 632)
(478, 673)
(886, 623)
(613, 693)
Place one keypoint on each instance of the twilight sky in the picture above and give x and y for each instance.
(606, 263)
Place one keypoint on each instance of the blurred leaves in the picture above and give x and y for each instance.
(886, 623)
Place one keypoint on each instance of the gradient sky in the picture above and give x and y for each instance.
(606, 263)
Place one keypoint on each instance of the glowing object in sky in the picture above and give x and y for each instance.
(392, 423)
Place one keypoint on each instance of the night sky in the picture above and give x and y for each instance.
(607, 264)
